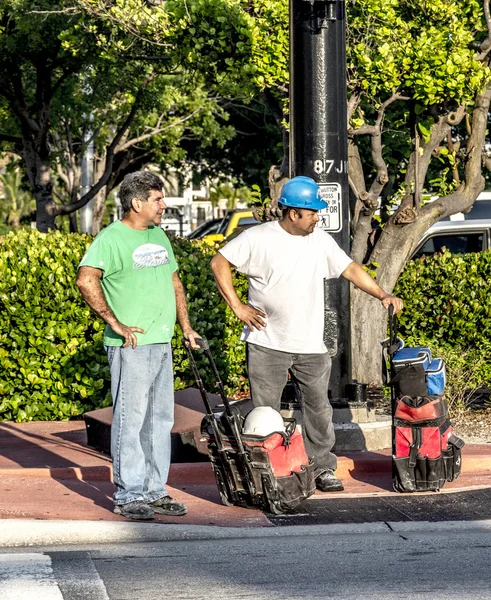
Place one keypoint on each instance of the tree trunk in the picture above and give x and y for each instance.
(99, 208)
(72, 217)
(36, 154)
(40, 179)
(368, 329)
(368, 317)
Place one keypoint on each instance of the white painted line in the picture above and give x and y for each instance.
(27, 576)
(77, 576)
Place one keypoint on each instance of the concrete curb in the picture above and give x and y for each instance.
(30, 533)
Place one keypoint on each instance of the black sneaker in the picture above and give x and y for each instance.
(168, 506)
(137, 510)
(328, 482)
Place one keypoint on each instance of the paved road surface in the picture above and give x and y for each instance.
(407, 562)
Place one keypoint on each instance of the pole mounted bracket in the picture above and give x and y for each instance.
(324, 11)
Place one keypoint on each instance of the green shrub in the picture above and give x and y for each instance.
(52, 362)
(448, 298)
(53, 365)
(447, 307)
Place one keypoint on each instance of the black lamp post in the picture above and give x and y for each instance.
(319, 147)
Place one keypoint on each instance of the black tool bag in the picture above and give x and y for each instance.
(425, 452)
(271, 473)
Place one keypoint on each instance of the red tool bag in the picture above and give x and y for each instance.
(272, 473)
(426, 453)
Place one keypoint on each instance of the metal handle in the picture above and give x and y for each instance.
(202, 343)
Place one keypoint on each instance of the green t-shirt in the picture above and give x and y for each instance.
(137, 269)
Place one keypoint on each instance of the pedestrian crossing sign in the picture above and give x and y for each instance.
(330, 217)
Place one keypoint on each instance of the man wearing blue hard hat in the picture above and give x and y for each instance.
(286, 262)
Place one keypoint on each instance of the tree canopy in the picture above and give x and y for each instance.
(68, 78)
(418, 80)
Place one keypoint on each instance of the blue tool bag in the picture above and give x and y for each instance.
(415, 371)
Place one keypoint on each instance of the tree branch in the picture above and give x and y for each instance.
(353, 103)
(155, 131)
(110, 152)
(10, 138)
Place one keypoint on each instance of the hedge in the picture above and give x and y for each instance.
(447, 298)
(53, 365)
(447, 306)
(52, 361)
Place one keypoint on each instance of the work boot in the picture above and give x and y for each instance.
(328, 482)
(168, 506)
(137, 510)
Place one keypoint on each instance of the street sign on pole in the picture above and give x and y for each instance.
(330, 218)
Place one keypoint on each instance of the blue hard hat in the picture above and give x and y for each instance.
(302, 192)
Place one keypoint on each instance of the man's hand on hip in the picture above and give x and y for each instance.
(128, 333)
(252, 317)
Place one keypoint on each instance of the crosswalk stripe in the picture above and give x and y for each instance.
(77, 576)
(28, 577)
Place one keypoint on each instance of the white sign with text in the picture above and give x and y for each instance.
(330, 217)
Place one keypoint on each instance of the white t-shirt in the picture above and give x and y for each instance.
(286, 280)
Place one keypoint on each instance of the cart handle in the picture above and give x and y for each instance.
(202, 343)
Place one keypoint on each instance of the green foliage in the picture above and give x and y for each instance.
(15, 201)
(70, 72)
(210, 317)
(448, 297)
(467, 370)
(436, 37)
(447, 306)
(52, 362)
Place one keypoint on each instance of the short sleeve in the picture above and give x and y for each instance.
(238, 252)
(99, 256)
(336, 258)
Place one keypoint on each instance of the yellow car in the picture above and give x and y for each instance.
(242, 218)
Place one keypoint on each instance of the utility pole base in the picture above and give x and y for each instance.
(363, 436)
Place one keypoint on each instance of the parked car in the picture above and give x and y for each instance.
(460, 233)
(459, 237)
(242, 218)
(210, 226)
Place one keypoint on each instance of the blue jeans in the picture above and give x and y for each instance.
(142, 387)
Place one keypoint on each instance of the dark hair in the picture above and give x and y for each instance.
(285, 211)
(138, 185)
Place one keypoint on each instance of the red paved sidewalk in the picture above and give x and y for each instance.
(47, 471)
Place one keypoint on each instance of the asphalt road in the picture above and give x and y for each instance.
(403, 562)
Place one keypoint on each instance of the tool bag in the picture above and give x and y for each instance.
(414, 371)
(425, 452)
(272, 473)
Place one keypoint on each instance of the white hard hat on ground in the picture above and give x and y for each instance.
(262, 421)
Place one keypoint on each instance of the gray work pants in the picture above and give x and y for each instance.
(268, 374)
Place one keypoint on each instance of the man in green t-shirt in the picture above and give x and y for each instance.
(129, 278)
